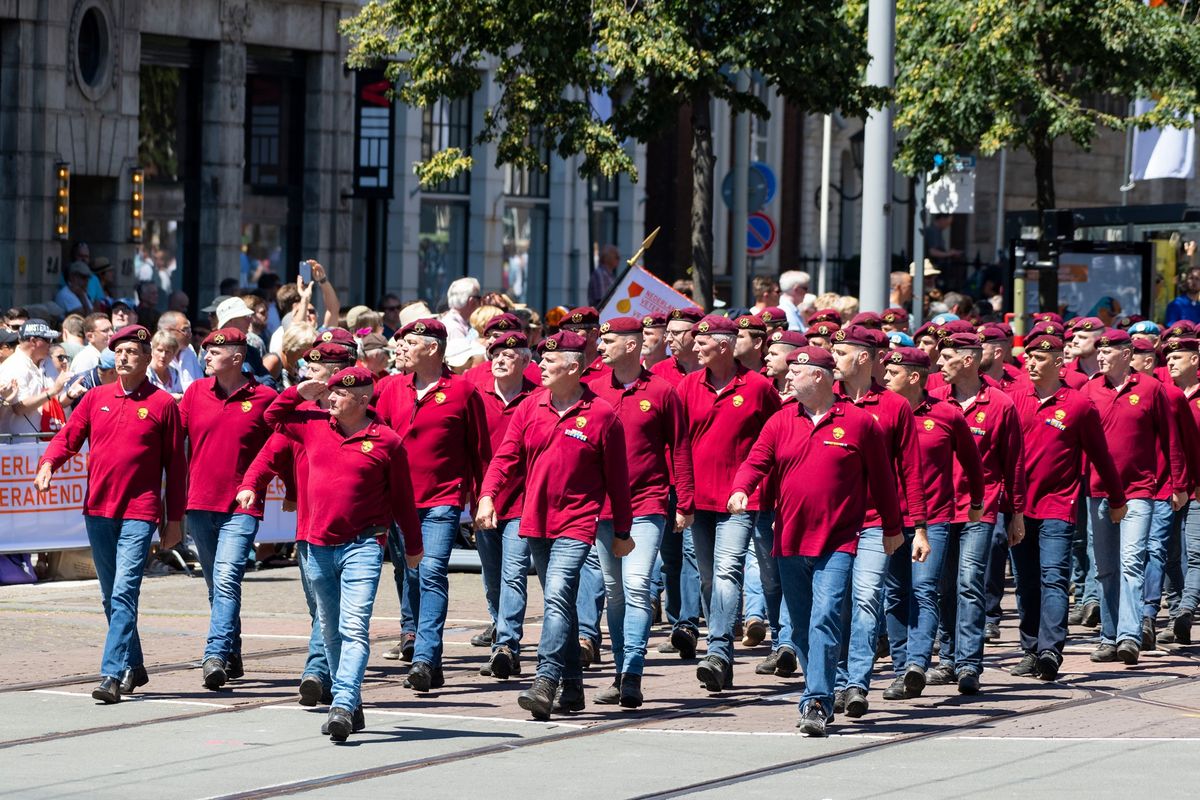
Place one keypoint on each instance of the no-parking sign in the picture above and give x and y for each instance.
(760, 234)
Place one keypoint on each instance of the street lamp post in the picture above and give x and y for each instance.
(877, 161)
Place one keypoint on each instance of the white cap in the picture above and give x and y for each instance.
(930, 269)
(233, 308)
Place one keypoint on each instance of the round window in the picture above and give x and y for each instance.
(94, 48)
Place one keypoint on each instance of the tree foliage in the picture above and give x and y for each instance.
(988, 74)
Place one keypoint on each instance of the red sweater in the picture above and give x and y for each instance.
(993, 422)
(722, 429)
(1189, 433)
(445, 434)
(1138, 426)
(571, 464)
(655, 430)
(943, 436)
(669, 371)
(133, 439)
(224, 434)
(354, 482)
(1057, 433)
(499, 414)
(822, 473)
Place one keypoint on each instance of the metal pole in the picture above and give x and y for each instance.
(826, 146)
(875, 250)
(1001, 246)
(741, 200)
(918, 278)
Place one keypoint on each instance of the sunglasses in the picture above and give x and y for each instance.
(62, 358)
(391, 308)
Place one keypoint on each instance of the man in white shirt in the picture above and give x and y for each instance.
(97, 330)
(793, 286)
(463, 297)
(34, 389)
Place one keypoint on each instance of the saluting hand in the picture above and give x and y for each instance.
(42, 481)
(245, 498)
(737, 503)
(920, 546)
(313, 390)
(622, 547)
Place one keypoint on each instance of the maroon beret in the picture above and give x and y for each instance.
(867, 319)
(994, 333)
(1144, 346)
(792, 338)
(1181, 328)
(584, 315)
(1187, 345)
(1114, 337)
(861, 336)
(689, 314)
(514, 341)
(909, 357)
(714, 324)
(424, 327)
(337, 336)
(351, 377)
(813, 356)
(622, 325)
(826, 315)
(751, 322)
(1044, 342)
(1089, 324)
(956, 341)
(130, 333)
(823, 330)
(225, 336)
(1049, 316)
(654, 321)
(328, 353)
(501, 323)
(1047, 328)
(1004, 326)
(895, 316)
(955, 326)
(774, 317)
(928, 329)
(564, 342)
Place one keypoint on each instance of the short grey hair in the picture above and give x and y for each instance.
(793, 278)
(572, 355)
(461, 291)
(728, 338)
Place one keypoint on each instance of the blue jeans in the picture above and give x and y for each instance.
(815, 589)
(344, 579)
(993, 588)
(753, 602)
(408, 585)
(1083, 561)
(964, 573)
(763, 544)
(119, 550)
(589, 602)
(721, 541)
(911, 599)
(223, 542)
(1121, 567)
(439, 528)
(316, 664)
(1190, 597)
(558, 563)
(489, 545)
(1161, 518)
(681, 578)
(627, 589)
(862, 612)
(1042, 569)
(514, 570)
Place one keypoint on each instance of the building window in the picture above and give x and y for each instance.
(605, 213)
(441, 248)
(447, 123)
(267, 110)
(526, 223)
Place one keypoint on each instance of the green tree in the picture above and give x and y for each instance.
(988, 74)
(653, 57)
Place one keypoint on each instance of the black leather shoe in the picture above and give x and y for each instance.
(1091, 615)
(768, 664)
(214, 673)
(589, 653)
(359, 722)
(968, 682)
(485, 639)
(631, 690)
(538, 699)
(1104, 654)
(895, 690)
(941, 675)
(1027, 667)
(1076, 615)
(234, 668)
(684, 640)
(714, 674)
(609, 695)
(311, 691)
(991, 632)
(787, 664)
(501, 663)
(914, 680)
(1182, 627)
(839, 701)
(423, 676)
(856, 702)
(1127, 651)
(812, 720)
(340, 724)
(1149, 639)
(133, 678)
(569, 696)
(1048, 663)
(1167, 634)
(108, 692)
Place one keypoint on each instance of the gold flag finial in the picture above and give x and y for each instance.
(649, 240)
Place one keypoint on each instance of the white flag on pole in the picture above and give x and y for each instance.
(639, 293)
(1162, 152)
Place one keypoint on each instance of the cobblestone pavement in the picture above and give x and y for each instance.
(1097, 732)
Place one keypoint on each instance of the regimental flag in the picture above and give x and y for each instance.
(640, 293)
